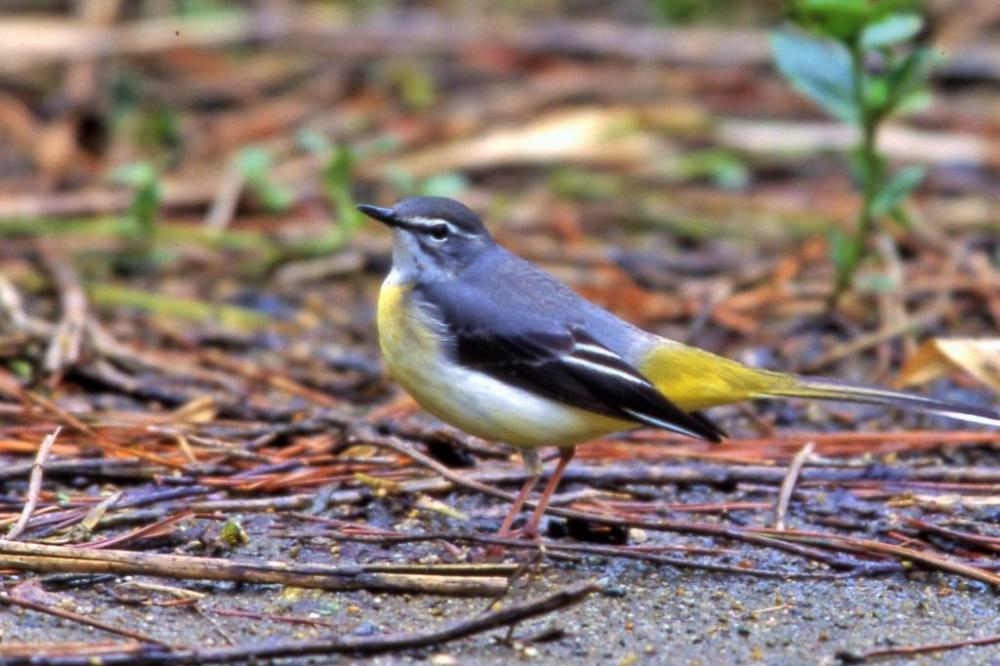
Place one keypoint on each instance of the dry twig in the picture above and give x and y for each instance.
(910, 651)
(156, 656)
(788, 484)
(431, 580)
(34, 485)
(15, 600)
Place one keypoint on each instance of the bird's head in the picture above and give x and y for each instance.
(434, 237)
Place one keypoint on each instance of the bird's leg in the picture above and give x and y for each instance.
(565, 455)
(515, 508)
(534, 467)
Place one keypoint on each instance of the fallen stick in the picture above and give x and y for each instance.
(10, 600)
(34, 485)
(431, 579)
(558, 548)
(353, 645)
(788, 484)
(909, 651)
(26, 649)
(869, 547)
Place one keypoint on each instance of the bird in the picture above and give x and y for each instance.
(495, 346)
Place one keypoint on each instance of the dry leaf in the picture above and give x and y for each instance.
(202, 409)
(601, 135)
(430, 504)
(978, 357)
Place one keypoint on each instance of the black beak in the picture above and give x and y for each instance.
(383, 215)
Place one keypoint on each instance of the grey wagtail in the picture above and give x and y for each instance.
(493, 345)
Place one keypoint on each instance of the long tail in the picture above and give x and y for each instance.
(694, 379)
(831, 389)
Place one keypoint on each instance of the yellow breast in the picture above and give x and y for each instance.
(407, 340)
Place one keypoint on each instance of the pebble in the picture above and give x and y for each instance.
(364, 629)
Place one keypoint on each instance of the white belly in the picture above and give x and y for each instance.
(487, 408)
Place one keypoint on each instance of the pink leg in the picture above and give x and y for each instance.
(565, 455)
(516, 507)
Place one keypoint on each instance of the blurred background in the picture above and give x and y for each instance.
(187, 289)
(195, 164)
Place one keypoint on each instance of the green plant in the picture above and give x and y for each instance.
(445, 184)
(857, 60)
(144, 182)
(138, 227)
(337, 176)
(256, 164)
(688, 11)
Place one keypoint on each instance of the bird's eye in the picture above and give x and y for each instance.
(439, 232)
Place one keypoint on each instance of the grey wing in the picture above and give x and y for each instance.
(512, 337)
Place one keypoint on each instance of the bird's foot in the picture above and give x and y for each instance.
(526, 533)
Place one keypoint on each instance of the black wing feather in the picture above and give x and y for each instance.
(551, 363)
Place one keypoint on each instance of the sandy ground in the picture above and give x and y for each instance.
(647, 615)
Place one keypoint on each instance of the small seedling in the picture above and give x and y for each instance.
(337, 178)
(689, 11)
(144, 182)
(256, 164)
(338, 175)
(445, 184)
(858, 61)
(139, 224)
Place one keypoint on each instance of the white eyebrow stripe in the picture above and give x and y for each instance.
(428, 223)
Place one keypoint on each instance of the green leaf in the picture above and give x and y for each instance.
(275, 198)
(401, 179)
(907, 79)
(144, 181)
(722, 167)
(843, 251)
(914, 102)
(135, 175)
(313, 142)
(842, 20)
(340, 167)
(233, 535)
(876, 92)
(255, 163)
(911, 72)
(337, 179)
(447, 184)
(877, 284)
(864, 170)
(901, 217)
(891, 30)
(819, 69)
(897, 189)
(577, 183)
(21, 368)
(677, 11)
